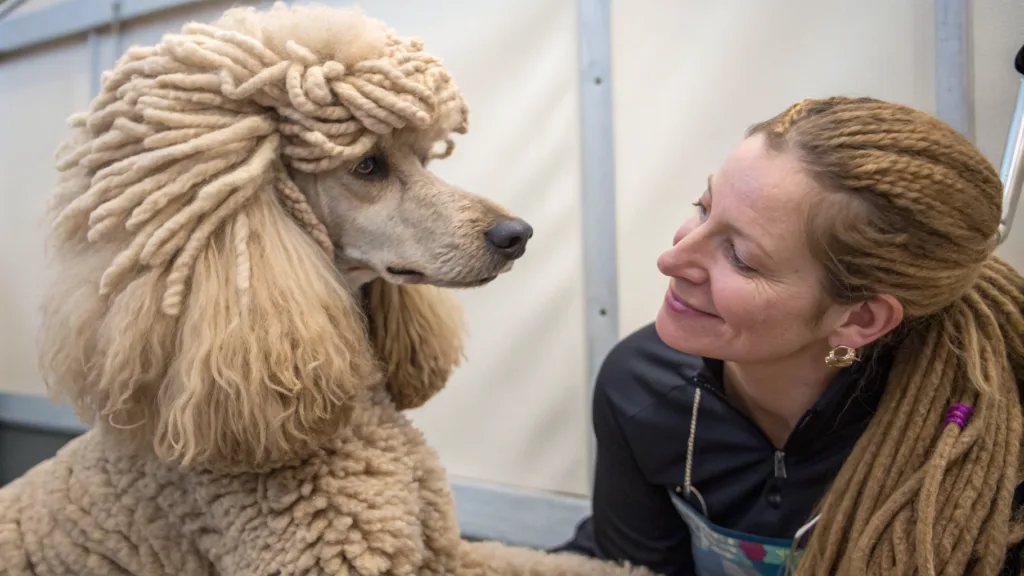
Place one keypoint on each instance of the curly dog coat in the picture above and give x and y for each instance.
(250, 257)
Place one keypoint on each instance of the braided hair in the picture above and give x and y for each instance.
(911, 209)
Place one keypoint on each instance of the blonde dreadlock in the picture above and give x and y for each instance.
(912, 211)
(185, 133)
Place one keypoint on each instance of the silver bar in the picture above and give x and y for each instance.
(516, 516)
(115, 29)
(10, 6)
(599, 232)
(954, 71)
(1011, 171)
(39, 413)
(95, 63)
(73, 17)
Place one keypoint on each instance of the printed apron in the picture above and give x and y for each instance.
(719, 551)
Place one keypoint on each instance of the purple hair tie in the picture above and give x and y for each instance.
(959, 414)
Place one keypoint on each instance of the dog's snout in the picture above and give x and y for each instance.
(509, 237)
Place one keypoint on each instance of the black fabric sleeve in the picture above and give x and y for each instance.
(632, 520)
(1014, 563)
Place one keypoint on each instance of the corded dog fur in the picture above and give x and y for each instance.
(250, 260)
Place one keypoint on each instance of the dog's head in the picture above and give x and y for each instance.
(247, 237)
(389, 217)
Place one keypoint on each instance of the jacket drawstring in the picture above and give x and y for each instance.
(687, 484)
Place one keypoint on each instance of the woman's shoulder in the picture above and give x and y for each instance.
(644, 344)
(641, 369)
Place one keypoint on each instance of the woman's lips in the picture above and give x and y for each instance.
(679, 306)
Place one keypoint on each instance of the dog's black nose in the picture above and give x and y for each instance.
(509, 237)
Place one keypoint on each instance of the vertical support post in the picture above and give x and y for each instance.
(115, 30)
(95, 63)
(96, 58)
(599, 218)
(954, 65)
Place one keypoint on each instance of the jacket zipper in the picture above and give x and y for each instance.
(779, 454)
(780, 464)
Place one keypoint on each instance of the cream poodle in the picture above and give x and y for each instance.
(250, 264)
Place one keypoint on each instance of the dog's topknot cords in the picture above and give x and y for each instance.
(183, 134)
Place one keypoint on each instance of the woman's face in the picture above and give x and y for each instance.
(743, 285)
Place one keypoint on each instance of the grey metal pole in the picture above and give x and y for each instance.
(1012, 169)
(95, 63)
(96, 60)
(954, 68)
(115, 30)
(598, 163)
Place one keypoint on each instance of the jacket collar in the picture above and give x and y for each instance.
(849, 401)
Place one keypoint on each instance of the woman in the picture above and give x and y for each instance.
(835, 369)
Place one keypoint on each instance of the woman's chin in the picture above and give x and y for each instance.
(677, 334)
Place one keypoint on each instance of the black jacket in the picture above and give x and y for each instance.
(641, 412)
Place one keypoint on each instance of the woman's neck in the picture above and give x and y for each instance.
(777, 394)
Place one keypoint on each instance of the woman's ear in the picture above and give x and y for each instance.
(866, 322)
(271, 352)
(417, 333)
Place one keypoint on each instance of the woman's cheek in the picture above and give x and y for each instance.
(730, 294)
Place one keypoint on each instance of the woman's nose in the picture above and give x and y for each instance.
(683, 260)
(665, 262)
(668, 262)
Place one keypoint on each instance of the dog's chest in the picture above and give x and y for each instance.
(377, 500)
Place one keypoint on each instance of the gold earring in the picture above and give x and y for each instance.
(841, 357)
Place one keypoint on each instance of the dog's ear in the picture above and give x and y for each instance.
(417, 332)
(272, 348)
(255, 361)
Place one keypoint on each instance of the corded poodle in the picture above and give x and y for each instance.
(250, 262)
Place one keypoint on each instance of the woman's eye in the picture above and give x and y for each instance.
(737, 262)
(734, 259)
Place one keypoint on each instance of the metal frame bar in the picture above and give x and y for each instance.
(74, 17)
(95, 62)
(600, 266)
(1012, 168)
(39, 413)
(8, 7)
(954, 65)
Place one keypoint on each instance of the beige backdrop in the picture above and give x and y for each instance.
(688, 77)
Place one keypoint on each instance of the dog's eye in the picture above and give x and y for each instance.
(366, 166)
(370, 167)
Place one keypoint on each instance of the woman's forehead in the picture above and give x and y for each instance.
(764, 194)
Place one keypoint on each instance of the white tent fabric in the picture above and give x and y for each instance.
(688, 77)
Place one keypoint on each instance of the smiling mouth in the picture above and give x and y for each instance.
(679, 306)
